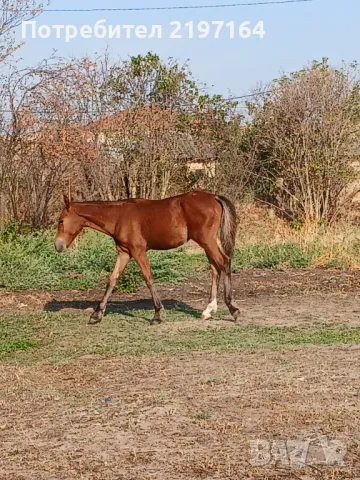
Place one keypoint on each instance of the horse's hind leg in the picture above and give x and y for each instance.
(142, 260)
(215, 279)
(120, 265)
(233, 308)
(224, 265)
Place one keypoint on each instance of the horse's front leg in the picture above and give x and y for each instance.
(120, 265)
(142, 260)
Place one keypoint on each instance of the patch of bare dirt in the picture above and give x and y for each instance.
(289, 297)
(188, 416)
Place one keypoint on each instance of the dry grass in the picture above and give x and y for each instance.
(102, 419)
(335, 246)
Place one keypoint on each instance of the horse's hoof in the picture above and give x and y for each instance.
(237, 316)
(95, 318)
(159, 317)
(156, 321)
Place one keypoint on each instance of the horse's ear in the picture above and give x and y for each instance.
(66, 201)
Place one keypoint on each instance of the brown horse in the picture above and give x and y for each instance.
(139, 225)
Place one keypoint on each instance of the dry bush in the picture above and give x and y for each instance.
(234, 158)
(41, 141)
(307, 132)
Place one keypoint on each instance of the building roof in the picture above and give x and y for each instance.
(147, 120)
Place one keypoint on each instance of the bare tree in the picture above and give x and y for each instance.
(65, 130)
(12, 14)
(42, 138)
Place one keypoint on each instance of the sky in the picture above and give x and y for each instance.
(295, 35)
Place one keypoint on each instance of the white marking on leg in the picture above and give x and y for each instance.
(212, 307)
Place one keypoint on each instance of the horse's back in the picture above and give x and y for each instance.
(184, 208)
(171, 222)
(193, 199)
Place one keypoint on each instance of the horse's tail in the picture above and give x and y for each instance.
(228, 226)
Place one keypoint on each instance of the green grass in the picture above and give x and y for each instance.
(59, 337)
(203, 415)
(31, 262)
(272, 256)
(16, 345)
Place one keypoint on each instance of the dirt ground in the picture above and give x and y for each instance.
(249, 284)
(191, 415)
(290, 297)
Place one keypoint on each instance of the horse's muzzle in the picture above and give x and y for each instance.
(60, 245)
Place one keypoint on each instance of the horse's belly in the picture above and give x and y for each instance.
(170, 236)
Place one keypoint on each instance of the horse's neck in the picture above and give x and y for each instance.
(97, 216)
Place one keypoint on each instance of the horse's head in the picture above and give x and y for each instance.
(69, 226)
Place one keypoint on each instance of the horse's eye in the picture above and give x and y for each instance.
(61, 222)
